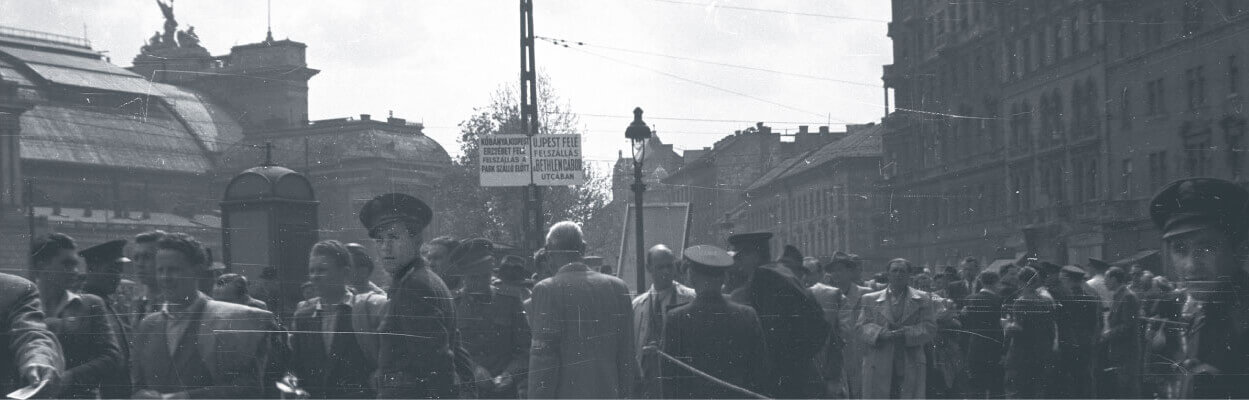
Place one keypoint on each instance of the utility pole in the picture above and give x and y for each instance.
(532, 223)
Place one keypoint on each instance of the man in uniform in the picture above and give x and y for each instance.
(1203, 229)
(494, 330)
(793, 322)
(105, 264)
(582, 326)
(648, 313)
(713, 335)
(418, 331)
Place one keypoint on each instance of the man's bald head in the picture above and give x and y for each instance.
(661, 264)
(659, 250)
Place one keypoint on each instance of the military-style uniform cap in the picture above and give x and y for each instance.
(1098, 264)
(1073, 269)
(707, 256)
(756, 241)
(393, 207)
(1047, 266)
(105, 253)
(1189, 205)
(471, 257)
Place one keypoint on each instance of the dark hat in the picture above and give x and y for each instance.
(756, 241)
(1098, 264)
(1047, 266)
(512, 268)
(104, 253)
(791, 253)
(1074, 270)
(849, 260)
(707, 256)
(394, 207)
(471, 257)
(1193, 204)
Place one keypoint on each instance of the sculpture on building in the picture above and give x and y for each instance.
(171, 24)
(188, 38)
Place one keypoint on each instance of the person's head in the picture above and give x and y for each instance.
(436, 252)
(361, 264)
(54, 261)
(1049, 273)
(143, 254)
(565, 244)
(180, 265)
(844, 268)
(1116, 278)
(1029, 278)
(1203, 227)
(942, 280)
(899, 274)
(988, 279)
(811, 271)
(396, 221)
(881, 278)
(661, 265)
(231, 288)
(308, 291)
(106, 263)
(329, 268)
(791, 258)
(1072, 278)
(1010, 275)
(969, 269)
(1162, 284)
(921, 278)
(750, 250)
(706, 268)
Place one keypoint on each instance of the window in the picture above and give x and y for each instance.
(1197, 155)
(1233, 75)
(1155, 98)
(1125, 178)
(1194, 16)
(1157, 169)
(1195, 80)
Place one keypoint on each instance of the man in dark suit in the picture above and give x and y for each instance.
(981, 316)
(968, 271)
(418, 331)
(30, 353)
(331, 354)
(1079, 320)
(716, 336)
(793, 321)
(79, 321)
(582, 326)
(105, 264)
(197, 347)
(1122, 337)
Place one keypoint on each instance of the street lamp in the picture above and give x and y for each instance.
(638, 132)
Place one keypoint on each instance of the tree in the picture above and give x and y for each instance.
(495, 213)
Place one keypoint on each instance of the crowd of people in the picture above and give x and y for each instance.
(462, 320)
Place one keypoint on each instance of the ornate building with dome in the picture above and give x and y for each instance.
(104, 152)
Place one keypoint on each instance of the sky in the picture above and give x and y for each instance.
(695, 66)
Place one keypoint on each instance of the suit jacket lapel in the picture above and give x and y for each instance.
(909, 306)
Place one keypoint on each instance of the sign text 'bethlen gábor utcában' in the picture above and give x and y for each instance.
(513, 160)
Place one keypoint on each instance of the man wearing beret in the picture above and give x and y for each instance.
(418, 331)
(1203, 226)
(105, 263)
(793, 322)
(716, 336)
(494, 331)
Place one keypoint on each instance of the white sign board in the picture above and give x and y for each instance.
(504, 160)
(518, 160)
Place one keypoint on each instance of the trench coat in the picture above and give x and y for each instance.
(26, 340)
(918, 323)
(582, 327)
(852, 349)
(644, 311)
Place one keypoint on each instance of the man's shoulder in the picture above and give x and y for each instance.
(91, 300)
(11, 285)
(227, 310)
(305, 308)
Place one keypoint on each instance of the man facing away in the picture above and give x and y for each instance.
(418, 331)
(197, 347)
(716, 336)
(648, 313)
(582, 326)
(1079, 323)
(981, 316)
(79, 321)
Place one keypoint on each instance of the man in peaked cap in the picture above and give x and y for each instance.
(1203, 226)
(418, 330)
(492, 324)
(716, 336)
(793, 321)
(105, 264)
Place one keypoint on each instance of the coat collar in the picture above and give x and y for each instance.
(912, 293)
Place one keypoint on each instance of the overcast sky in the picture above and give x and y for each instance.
(434, 61)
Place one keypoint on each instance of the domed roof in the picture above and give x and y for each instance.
(330, 147)
(269, 182)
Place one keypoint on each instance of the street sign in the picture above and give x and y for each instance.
(518, 160)
(504, 160)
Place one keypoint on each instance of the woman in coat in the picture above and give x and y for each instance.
(896, 324)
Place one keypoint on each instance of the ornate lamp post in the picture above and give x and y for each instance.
(638, 132)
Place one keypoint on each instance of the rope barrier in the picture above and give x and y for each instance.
(706, 376)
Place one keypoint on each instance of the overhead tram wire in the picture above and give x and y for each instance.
(764, 10)
(569, 43)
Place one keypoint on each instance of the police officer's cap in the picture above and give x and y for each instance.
(394, 207)
(1073, 270)
(707, 257)
(471, 257)
(105, 253)
(746, 242)
(1193, 204)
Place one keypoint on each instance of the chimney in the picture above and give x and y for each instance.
(824, 130)
(366, 117)
(802, 129)
(397, 121)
